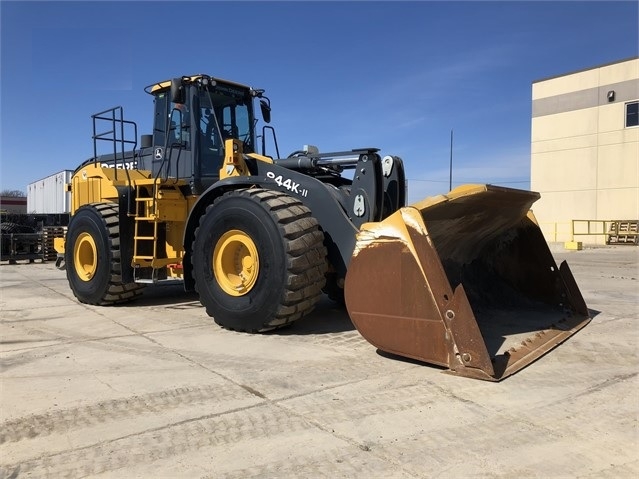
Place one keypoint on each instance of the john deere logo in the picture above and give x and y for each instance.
(159, 154)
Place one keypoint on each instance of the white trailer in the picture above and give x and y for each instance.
(48, 195)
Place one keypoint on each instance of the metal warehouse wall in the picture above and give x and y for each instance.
(584, 159)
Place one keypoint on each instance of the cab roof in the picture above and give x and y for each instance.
(165, 85)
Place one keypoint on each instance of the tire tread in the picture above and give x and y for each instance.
(116, 292)
(305, 257)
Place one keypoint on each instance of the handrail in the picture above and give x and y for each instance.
(590, 224)
(114, 117)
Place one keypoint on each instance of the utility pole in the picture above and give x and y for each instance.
(450, 183)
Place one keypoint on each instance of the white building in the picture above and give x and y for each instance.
(585, 150)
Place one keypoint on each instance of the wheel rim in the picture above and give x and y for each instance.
(236, 263)
(85, 257)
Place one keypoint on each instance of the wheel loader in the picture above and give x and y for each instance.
(260, 238)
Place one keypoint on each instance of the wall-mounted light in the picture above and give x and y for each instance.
(611, 95)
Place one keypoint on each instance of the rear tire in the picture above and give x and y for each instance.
(258, 260)
(92, 257)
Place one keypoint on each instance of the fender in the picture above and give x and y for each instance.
(339, 231)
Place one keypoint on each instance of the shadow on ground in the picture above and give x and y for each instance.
(327, 317)
(163, 295)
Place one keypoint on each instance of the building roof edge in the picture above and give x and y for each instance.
(586, 69)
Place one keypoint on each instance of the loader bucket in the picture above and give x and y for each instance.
(465, 281)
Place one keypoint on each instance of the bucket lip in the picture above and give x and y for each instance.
(528, 351)
(475, 189)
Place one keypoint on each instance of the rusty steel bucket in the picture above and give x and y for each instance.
(465, 281)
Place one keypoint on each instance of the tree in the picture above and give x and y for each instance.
(13, 193)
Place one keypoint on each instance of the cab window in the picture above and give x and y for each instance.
(180, 120)
(159, 121)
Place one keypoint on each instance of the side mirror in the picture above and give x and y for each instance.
(266, 111)
(177, 91)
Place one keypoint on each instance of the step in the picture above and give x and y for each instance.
(148, 261)
(154, 281)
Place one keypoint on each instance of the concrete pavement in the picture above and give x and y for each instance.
(156, 389)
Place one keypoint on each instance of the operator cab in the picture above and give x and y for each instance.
(192, 119)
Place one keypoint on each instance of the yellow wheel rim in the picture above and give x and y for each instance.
(236, 263)
(85, 257)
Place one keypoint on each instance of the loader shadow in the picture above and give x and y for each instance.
(168, 295)
(327, 317)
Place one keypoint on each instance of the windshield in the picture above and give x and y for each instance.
(225, 112)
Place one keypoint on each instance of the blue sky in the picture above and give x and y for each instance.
(340, 75)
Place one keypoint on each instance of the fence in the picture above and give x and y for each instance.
(30, 246)
(598, 232)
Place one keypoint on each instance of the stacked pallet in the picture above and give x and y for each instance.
(48, 234)
(623, 232)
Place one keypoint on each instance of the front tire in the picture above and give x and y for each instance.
(92, 257)
(258, 260)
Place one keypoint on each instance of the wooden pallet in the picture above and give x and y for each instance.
(623, 232)
(48, 234)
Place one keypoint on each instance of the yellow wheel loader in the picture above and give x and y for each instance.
(261, 238)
